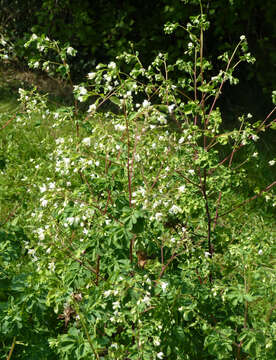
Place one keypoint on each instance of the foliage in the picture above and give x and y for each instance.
(127, 232)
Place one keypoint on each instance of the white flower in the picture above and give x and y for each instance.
(91, 75)
(255, 137)
(160, 355)
(116, 305)
(41, 235)
(52, 185)
(249, 116)
(44, 202)
(158, 216)
(242, 37)
(146, 300)
(181, 140)
(51, 266)
(40, 47)
(171, 107)
(31, 251)
(271, 162)
(119, 127)
(175, 209)
(86, 141)
(182, 188)
(260, 252)
(255, 154)
(156, 341)
(70, 50)
(191, 171)
(36, 64)
(82, 90)
(43, 188)
(59, 141)
(70, 220)
(146, 103)
(66, 161)
(97, 163)
(92, 107)
(207, 254)
(112, 65)
(164, 285)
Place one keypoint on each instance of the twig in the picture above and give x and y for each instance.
(86, 330)
(216, 216)
(11, 349)
(164, 267)
(8, 122)
(208, 215)
(11, 214)
(248, 200)
(98, 269)
(187, 179)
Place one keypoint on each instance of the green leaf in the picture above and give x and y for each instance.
(115, 100)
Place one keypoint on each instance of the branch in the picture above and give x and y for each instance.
(248, 200)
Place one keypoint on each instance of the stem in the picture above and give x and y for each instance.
(159, 172)
(128, 163)
(8, 122)
(195, 85)
(222, 83)
(248, 200)
(187, 179)
(164, 267)
(246, 286)
(216, 216)
(86, 330)
(11, 215)
(131, 248)
(12, 348)
(98, 269)
(270, 311)
(241, 145)
(209, 219)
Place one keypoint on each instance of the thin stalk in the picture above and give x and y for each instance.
(86, 330)
(128, 163)
(269, 313)
(248, 200)
(216, 216)
(208, 215)
(98, 269)
(8, 122)
(164, 267)
(12, 348)
(223, 82)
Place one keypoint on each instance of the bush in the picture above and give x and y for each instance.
(137, 240)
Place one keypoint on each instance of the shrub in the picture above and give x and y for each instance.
(139, 242)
